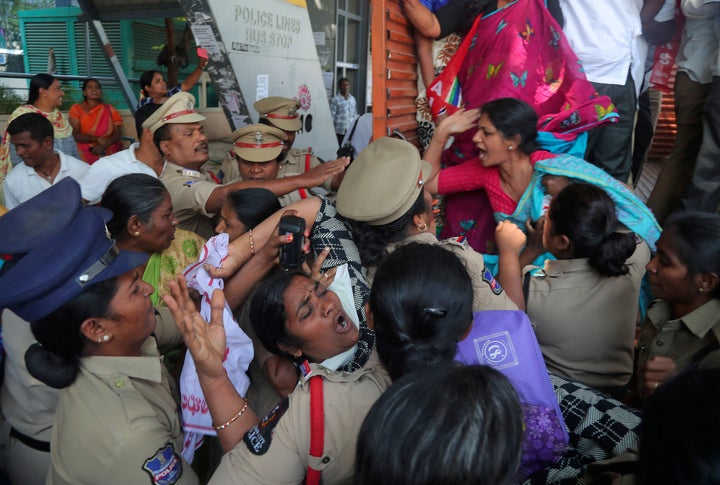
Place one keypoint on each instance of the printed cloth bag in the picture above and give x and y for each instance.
(505, 340)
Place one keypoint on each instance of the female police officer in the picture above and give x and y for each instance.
(98, 334)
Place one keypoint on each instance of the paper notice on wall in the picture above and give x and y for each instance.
(262, 88)
(205, 37)
(319, 38)
(328, 82)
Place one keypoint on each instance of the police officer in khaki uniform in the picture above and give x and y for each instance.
(382, 186)
(283, 113)
(197, 195)
(117, 416)
(276, 450)
(257, 153)
(179, 136)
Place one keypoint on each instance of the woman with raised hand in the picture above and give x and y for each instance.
(584, 302)
(320, 328)
(154, 87)
(511, 167)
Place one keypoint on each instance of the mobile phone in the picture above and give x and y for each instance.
(291, 254)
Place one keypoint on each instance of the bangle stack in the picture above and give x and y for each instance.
(252, 243)
(233, 419)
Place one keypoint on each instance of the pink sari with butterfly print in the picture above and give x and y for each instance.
(518, 51)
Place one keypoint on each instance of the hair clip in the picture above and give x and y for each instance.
(435, 312)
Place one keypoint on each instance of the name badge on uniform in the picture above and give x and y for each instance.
(186, 172)
(164, 467)
(259, 437)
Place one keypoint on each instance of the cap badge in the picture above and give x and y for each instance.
(292, 111)
(188, 104)
(259, 140)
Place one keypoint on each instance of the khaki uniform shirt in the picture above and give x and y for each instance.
(294, 164)
(487, 292)
(27, 404)
(190, 191)
(682, 339)
(585, 322)
(118, 422)
(284, 439)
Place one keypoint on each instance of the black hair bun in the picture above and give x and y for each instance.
(49, 367)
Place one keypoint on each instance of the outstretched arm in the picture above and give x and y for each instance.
(281, 186)
(194, 76)
(206, 343)
(241, 249)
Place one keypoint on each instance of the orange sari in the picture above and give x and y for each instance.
(100, 121)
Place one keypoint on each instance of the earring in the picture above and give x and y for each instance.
(106, 338)
(701, 290)
(511, 147)
(422, 227)
(136, 234)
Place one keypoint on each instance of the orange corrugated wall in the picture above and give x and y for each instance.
(394, 71)
(666, 128)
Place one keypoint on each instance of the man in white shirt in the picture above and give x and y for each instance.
(703, 191)
(142, 157)
(42, 166)
(607, 38)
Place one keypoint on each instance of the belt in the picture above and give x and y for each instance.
(31, 442)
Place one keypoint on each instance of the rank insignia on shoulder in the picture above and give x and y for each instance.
(460, 241)
(164, 467)
(305, 369)
(259, 437)
(488, 278)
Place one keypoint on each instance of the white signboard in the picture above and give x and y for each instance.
(271, 47)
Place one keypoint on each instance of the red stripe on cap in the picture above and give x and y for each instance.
(282, 117)
(240, 144)
(176, 114)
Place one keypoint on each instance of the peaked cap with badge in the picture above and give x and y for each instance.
(179, 108)
(281, 112)
(258, 143)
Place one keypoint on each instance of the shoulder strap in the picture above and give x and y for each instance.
(526, 288)
(317, 427)
(352, 132)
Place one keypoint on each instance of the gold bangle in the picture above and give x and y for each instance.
(252, 243)
(233, 419)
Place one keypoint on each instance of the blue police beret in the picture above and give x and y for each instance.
(58, 269)
(38, 218)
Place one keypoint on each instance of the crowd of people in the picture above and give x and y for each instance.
(275, 318)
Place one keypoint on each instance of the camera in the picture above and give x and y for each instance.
(347, 150)
(291, 254)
